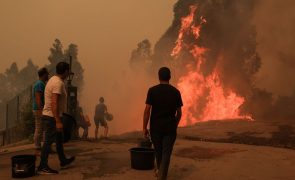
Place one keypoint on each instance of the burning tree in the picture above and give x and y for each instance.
(211, 49)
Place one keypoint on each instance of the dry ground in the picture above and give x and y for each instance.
(192, 158)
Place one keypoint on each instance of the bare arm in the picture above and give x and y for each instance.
(38, 96)
(146, 118)
(178, 115)
(55, 110)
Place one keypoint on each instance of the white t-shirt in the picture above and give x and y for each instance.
(55, 85)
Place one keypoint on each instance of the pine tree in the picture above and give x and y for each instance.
(56, 55)
(141, 56)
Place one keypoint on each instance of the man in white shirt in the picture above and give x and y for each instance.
(55, 105)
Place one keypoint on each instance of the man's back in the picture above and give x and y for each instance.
(100, 110)
(163, 110)
(164, 99)
(55, 85)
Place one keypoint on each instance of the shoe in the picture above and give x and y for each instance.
(156, 171)
(67, 162)
(46, 171)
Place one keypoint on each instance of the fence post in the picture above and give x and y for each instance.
(17, 109)
(6, 127)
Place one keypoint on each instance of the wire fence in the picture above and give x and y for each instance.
(14, 116)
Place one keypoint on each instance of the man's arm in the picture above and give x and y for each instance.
(55, 111)
(106, 109)
(178, 115)
(146, 118)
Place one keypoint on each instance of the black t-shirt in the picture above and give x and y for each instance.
(164, 99)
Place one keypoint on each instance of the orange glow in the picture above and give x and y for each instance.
(204, 98)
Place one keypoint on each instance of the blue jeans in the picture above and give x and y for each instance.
(163, 144)
(51, 136)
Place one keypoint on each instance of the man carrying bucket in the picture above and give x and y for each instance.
(55, 105)
(163, 109)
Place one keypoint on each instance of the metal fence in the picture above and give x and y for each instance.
(13, 116)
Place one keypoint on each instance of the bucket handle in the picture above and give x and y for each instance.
(21, 170)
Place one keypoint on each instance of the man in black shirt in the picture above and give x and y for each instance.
(163, 109)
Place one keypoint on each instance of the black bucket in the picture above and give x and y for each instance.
(142, 158)
(68, 122)
(23, 166)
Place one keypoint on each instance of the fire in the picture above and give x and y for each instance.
(204, 97)
(185, 27)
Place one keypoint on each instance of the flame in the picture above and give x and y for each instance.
(185, 27)
(204, 98)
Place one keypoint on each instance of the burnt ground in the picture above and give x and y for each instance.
(251, 133)
(197, 152)
(284, 138)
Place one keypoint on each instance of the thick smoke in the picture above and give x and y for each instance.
(124, 92)
(275, 24)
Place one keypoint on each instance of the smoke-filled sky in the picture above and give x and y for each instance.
(28, 28)
(275, 23)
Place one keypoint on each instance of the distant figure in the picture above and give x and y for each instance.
(88, 124)
(163, 109)
(83, 122)
(38, 104)
(99, 117)
(55, 105)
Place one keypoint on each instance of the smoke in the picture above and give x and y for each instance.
(124, 92)
(275, 25)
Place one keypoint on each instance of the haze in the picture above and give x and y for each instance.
(105, 31)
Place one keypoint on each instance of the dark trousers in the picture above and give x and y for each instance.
(163, 144)
(51, 136)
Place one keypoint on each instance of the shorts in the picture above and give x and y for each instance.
(101, 122)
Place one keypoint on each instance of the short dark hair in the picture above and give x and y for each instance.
(42, 72)
(101, 99)
(164, 74)
(62, 67)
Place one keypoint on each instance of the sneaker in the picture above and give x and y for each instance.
(156, 171)
(67, 162)
(46, 171)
